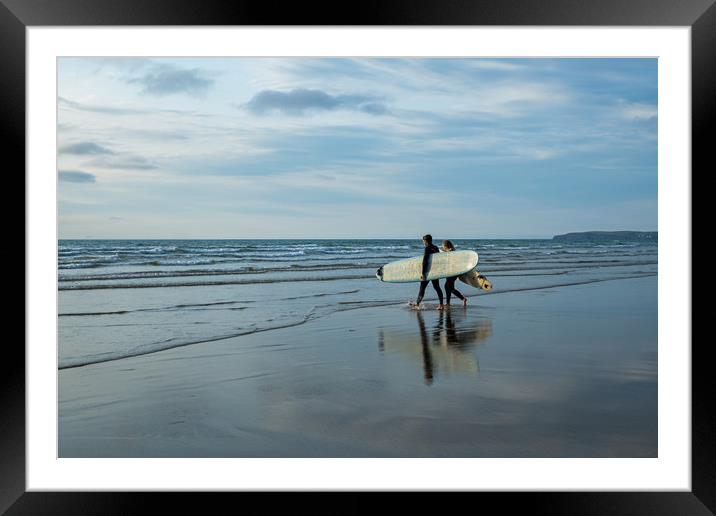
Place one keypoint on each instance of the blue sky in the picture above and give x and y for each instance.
(355, 148)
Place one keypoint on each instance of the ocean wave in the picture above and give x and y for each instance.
(589, 265)
(252, 281)
(77, 255)
(215, 272)
(86, 265)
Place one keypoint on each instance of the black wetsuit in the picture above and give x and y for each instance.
(429, 249)
(450, 289)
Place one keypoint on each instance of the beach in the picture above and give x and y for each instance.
(557, 361)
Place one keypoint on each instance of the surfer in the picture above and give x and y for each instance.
(430, 248)
(450, 282)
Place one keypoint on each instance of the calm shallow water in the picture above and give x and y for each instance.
(122, 298)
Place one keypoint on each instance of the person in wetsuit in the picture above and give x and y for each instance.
(450, 282)
(429, 249)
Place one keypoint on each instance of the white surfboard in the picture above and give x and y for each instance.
(442, 265)
(475, 279)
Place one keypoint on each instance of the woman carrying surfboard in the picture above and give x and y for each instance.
(450, 282)
(429, 249)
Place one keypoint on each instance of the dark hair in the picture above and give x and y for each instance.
(448, 245)
(428, 238)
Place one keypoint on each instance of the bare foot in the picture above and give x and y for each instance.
(440, 307)
(414, 306)
(464, 302)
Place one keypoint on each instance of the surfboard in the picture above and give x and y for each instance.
(475, 279)
(442, 265)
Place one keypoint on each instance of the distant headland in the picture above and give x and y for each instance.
(608, 236)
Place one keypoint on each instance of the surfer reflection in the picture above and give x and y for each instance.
(430, 248)
(446, 347)
(427, 357)
(450, 282)
(450, 334)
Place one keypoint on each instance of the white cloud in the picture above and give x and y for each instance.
(635, 111)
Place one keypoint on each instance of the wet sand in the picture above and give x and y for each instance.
(557, 372)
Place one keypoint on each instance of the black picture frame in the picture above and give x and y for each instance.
(700, 15)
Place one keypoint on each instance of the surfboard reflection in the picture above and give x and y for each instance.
(445, 347)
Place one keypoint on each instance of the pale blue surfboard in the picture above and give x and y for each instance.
(442, 265)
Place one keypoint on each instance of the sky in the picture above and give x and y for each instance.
(355, 148)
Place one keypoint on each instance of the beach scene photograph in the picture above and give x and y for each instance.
(357, 257)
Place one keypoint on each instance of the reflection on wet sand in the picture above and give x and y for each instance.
(447, 347)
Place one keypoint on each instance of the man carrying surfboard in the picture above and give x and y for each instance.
(430, 248)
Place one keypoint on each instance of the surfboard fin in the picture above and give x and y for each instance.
(484, 282)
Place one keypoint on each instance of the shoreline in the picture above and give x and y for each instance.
(310, 316)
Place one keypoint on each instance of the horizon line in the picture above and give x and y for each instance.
(302, 238)
(348, 238)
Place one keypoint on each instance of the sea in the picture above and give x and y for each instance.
(124, 298)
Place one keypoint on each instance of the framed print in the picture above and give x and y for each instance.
(282, 256)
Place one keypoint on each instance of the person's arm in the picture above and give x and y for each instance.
(426, 259)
